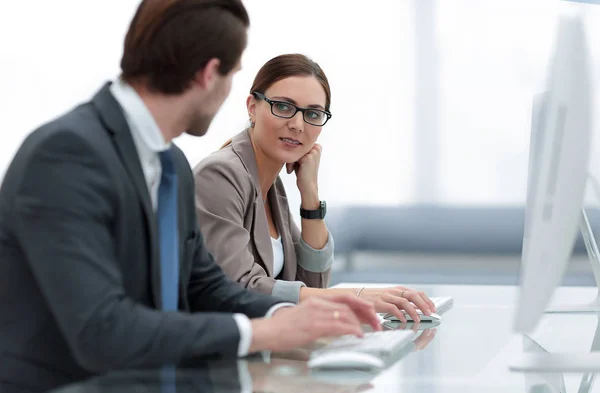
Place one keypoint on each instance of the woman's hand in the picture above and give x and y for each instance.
(307, 171)
(394, 300)
(424, 339)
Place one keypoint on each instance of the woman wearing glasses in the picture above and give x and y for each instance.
(241, 202)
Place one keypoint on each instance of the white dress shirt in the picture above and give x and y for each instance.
(149, 142)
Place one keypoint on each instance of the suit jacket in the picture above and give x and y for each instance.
(79, 260)
(231, 213)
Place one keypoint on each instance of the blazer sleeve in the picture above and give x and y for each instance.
(221, 204)
(63, 219)
(314, 266)
(209, 289)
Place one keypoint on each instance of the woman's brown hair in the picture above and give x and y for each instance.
(285, 66)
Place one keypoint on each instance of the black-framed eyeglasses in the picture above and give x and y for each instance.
(287, 110)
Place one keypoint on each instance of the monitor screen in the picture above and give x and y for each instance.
(558, 168)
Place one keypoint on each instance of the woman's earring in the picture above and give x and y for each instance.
(252, 123)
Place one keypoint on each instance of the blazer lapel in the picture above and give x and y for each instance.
(242, 146)
(111, 114)
(262, 237)
(280, 208)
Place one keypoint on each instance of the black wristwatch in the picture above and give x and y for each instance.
(314, 214)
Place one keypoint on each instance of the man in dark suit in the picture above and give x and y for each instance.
(102, 265)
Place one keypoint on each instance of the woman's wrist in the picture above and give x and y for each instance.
(310, 199)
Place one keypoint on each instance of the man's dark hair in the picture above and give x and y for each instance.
(168, 41)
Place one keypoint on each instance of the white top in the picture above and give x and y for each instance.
(277, 256)
(149, 141)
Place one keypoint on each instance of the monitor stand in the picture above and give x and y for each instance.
(594, 257)
(541, 381)
(570, 362)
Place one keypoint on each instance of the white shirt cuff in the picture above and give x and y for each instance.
(245, 327)
(277, 307)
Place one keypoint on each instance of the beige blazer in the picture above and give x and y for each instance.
(231, 215)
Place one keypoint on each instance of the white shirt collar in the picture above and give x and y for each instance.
(146, 134)
(138, 116)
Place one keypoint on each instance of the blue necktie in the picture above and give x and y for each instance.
(168, 379)
(168, 232)
(169, 254)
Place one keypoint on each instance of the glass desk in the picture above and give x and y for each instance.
(470, 351)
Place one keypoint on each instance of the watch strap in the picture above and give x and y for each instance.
(314, 214)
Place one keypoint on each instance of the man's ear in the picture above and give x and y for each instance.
(207, 76)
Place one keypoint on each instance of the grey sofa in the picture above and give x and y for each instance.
(432, 229)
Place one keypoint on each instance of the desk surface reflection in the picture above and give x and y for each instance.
(470, 351)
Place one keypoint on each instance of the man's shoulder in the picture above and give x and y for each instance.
(81, 122)
(76, 136)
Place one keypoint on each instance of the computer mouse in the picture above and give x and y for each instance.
(424, 318)
(345, 360)
(410, 325)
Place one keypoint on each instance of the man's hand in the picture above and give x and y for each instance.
(294, 327)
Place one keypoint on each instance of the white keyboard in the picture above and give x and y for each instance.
(442, 304)
(379, 343)
(371, 351)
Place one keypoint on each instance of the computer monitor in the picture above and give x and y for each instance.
(561, 139)
(540, 104)
(538, 115)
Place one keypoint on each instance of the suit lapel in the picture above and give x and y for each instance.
(242, 146)
(182, 192)
(112, 116)
(280, 209)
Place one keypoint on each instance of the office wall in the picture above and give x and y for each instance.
(380, 147)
